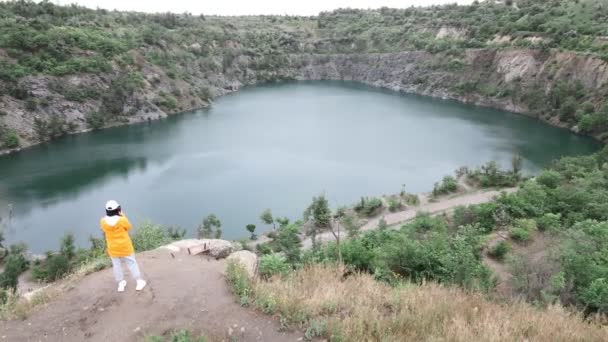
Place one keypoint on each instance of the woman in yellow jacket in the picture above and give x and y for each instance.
(115, 226)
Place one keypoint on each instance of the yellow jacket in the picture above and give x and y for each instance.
(116, 229)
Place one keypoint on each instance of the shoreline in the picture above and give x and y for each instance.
(313, 71)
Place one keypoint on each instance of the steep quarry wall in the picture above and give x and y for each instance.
(500, 78)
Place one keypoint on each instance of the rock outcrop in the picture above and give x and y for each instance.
(215, 248)
(247, 259)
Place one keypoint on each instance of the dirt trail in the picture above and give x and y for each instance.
(185, 292)
(441, 205)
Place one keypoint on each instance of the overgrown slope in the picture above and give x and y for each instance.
(68, 68)
(358, 308)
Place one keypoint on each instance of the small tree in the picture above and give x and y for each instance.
(351, 225)
(251, 229)
(516, 164)
(282, 221)
(68, 249)
(288, 240)
(319, 215)
(267, 218)
(210, 227)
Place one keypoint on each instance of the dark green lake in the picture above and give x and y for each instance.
(272, 146)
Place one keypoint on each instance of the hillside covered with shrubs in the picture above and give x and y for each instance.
(68, 68)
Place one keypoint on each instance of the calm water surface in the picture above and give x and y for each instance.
(271, 146)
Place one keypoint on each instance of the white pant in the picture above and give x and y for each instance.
(131, 265)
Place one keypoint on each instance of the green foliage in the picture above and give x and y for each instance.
(424, 222)
(448, 185)
(415, 253)
(288, 241)
(251, 229)
(368, 206)
(175, 233)
(584, 259)
(549, 222)
(272, 264)
(596, 295)
(14, 265)
(318, 215)
(266, 217)
(394, 204)
(59, 264)
(96, 120)
(11, 139)
(166, 101)
(499, 250)
(318, 212)
(239, 282)
(484, 215)
(55, 267)
(67, 247)
(351, 223)
(568, 109)
(491, 175)
(210, 227)
(178, 336)
(149, 236)
(520, 234)
(549, 178)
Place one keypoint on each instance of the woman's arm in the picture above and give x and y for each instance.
(125, 221)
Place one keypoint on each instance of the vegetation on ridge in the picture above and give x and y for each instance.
(112, 65)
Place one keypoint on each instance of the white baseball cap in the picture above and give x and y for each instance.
(112, 205)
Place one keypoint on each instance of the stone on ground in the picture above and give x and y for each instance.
(247, 259)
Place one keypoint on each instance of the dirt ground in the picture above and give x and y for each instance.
(183, 292)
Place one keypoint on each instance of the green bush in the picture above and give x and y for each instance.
(178, 336)
(95, 120)
(11, 139)
(549, 222)
(448, 185)
(238, 279)
(14, 265)
(175, 233)
(500, 250)
(166, 101)
(394, 204)
(520, 234)
(549, 178)
(149, 236)
(368, 206)
(210, 227)
(272, 264)
(57, 266)
(424, 222)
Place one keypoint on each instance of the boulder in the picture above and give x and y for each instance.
(216, 248)
(247, 259)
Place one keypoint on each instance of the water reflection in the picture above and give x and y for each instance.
(272, 146)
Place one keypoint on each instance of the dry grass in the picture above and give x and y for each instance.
(361, 309)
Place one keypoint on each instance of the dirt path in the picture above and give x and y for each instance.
(441, 205)
(185, 292)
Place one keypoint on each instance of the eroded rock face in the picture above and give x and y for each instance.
(247, 259)
(417, 72)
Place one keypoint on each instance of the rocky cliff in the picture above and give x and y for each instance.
(519, 80)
